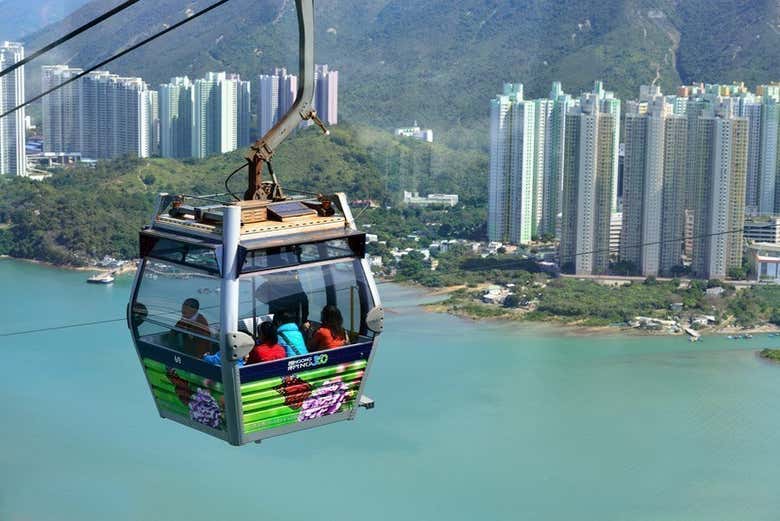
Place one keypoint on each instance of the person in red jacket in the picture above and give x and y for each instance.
(268, 349)
(331, 333)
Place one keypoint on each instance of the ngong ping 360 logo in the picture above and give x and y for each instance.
(309, 361)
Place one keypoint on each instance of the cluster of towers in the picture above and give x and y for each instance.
(686, 166)
(103, 115)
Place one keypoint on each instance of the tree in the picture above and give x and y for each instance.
(737, 273)
(624, 268)
(512, 301)
(412, 265)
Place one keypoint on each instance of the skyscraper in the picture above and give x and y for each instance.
(326, 94)
(609, 104)
(525, 186)
(243, 107)
(511, 187)
(768, 196)
(553, 163)
(176, 101)
(61, 112)
(653, 194)
(588, 186)
(116, 116)
(101, 115)
(13, 160)
(541, 152)
(751, 108)
(276, 94)
(501, 108)
(220, 103)
(719, 192)
(153, 127)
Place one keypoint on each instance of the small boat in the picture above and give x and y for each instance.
(748, 336)
(101, 278)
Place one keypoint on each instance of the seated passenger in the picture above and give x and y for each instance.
(331, 333)
(216, 359)
(289, 336)
(268, 349)
(193, 321)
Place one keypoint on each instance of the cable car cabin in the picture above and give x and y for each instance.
(211, 272)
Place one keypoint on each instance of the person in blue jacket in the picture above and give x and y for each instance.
(216, 359)
(289, 335)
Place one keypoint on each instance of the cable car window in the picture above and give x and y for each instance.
(180, 307)
(183, 253)
(292, 255)
(304, 292)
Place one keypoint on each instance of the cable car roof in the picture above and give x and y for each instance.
(264, 224)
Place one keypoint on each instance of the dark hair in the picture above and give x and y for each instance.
(283, 317)
(192, 303)
(266, 333)
(332, 319)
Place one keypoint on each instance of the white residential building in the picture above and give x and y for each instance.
(12, 129)
(176, 103)
(220, 103)
(653, 188)
(588, 186)
(61, 111)
(512, 161)
(100, 116)
(416, 132)
(276, 93)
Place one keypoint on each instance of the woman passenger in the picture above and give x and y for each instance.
(268, 349)
(289, 336)
(331, 332)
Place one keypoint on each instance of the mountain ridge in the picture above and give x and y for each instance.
(439, 63)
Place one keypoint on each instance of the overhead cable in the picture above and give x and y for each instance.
(108, 14)
(117, 55)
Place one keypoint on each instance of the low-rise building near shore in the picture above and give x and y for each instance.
(767, 259)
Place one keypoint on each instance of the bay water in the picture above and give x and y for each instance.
(473, 420)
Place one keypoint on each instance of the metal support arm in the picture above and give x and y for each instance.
(302, 110)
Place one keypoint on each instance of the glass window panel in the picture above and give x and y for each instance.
(183, 253)
(305, 291)
(177, 307)
(296, 254)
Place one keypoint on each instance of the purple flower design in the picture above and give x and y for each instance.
(204, 409)
(325, 400)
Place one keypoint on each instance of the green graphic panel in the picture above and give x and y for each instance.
(300, 397)
(187, 394)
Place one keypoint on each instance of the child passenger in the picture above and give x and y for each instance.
(289, 336)
(331, 333)
(268, 349)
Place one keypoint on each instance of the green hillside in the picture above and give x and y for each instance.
(440, 61)
(84, 213)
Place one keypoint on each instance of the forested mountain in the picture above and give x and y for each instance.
(439, 61)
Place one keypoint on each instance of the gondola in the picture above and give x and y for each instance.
(213, 268)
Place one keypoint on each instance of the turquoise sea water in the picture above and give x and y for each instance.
(473, 421)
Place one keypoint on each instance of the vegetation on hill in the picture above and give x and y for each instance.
(84, 213)
(439, 62)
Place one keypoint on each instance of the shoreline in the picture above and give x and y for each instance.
(127, 268)
(574, 327)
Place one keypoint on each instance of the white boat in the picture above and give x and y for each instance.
(101, 278)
